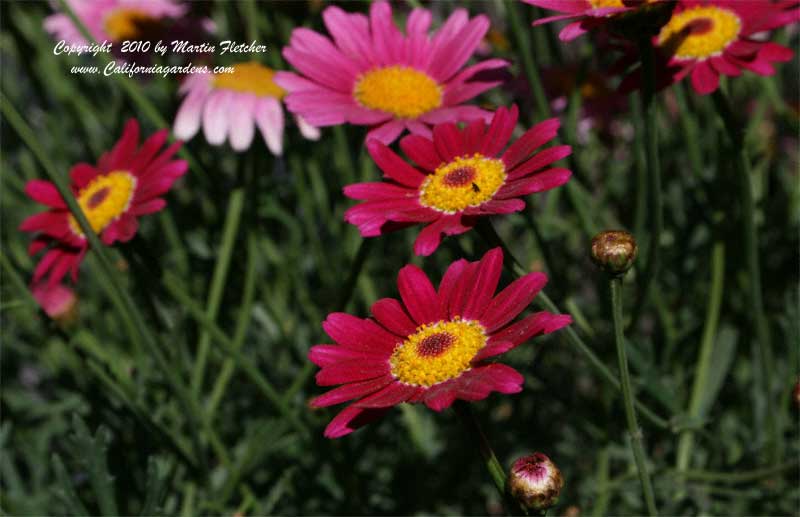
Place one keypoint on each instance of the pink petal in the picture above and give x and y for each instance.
(352, 371)
(526, 328)
(704, 79)
(391, 314)
(269, 118)
(350, 391)
(449, 56)
(359, 334)
(532, 139)
(512, 300)
(216, 117)
(492, 350)
(393, 166)
(187, 120)
(484, 284)
(326, 355)
(350, 419)
(545, 180)
(430, 237)
(500, 130)
(390, 395)
(243, 121)
(386, 133)
(539, 160)
(45, 193)
(418, 294)
(377, 191)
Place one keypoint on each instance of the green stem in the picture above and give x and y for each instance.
(640, 213)
(686, 441)
(748, 216)
(493, 467)
(218, 280)
(628, 398)
(522, 35)
(690, 133)
(487, 232)
(650, 274)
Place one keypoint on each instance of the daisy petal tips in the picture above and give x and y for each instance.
(431, 346)
(126, 183)
(460, 175)
(372, 74)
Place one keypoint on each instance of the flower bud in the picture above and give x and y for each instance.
(535, 482)
(58, 301)
(614, 251)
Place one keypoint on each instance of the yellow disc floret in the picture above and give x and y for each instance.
(700, 32)
(250, 77)
(464, 182)
(104, 199)
(599, 4)
(126, 24)
(403, 91)
(437, 352)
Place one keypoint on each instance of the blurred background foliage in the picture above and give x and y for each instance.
(91, 424)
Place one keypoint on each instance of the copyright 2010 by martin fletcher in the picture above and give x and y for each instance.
(161, 48)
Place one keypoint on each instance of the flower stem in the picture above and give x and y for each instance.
(496, 472)
(653, 176)
(696, 410)
(748, 215)
(522, 35)
(628, 397)
(488, 232)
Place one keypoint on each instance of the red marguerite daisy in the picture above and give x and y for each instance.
(462, 178)
(433, 346)
(126, 183)
(707, 38)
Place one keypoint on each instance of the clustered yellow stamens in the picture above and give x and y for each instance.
(104, 199)
(700, 32)
(464, 182)
(599, 4)
(126, 24)
(250, 77)
(403, 91)
(437, 352)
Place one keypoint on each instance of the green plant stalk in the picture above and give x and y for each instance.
(629, 399)
(242, 323)
(748, 216)
(640, 213)
(649, 277)
(121, 300)
(487, 232)
(218, 280)
(522, 36)
(690, 132)
(248, 11)
(686, 441)
(493, 467)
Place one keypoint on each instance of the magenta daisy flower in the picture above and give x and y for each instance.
(232, 105)
(430, 347)
(111, 20)
(371, 74)
(584, 15)
(706, 39)
(126, 183)
(462, 175)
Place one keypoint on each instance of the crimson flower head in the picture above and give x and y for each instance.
(126, 183)
(584, 15)
(369, 73)
(708, 38)
(431, 346)
(461, 175)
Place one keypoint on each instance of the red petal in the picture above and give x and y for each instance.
(704, 79)
(492, 350)
(391, 314)
(45, 193)
(484, 284)
(526, 328)
(449, 281)
(500, 130)
(539, 160)
(350, 419)
(390, 395)
(393, 166)
(448, 142)
(326, 355)
(532, 139)
(418, 294)
(512, 300)
(350, 391)
(422, 151)
(359, 334)
(352, 371)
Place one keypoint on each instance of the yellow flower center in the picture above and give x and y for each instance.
(403, 91)
(700, 32)
(464, 182)
(599, 4)
(437, 352)
(126, 24)
(250, 77)
(104, 199)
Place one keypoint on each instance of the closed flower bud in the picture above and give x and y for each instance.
(614, 251)
(535, 482)
(58, 301)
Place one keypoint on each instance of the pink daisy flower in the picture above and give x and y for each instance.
(126, 183)
(584, 15)
(430, 347)
(706, 39)
(58, 301)
(462, 175)
(231, 105)
(371, 74)
(112, 20)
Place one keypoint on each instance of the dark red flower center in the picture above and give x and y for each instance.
(435, 344)
(459, 177)
(699, 26)
(97, 197)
